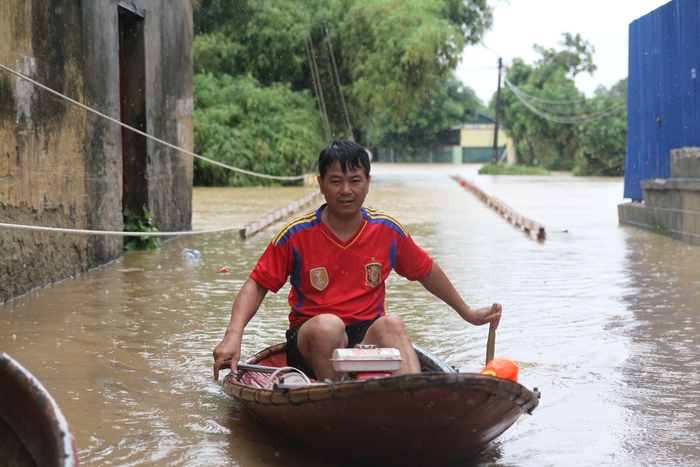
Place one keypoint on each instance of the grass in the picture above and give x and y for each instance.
(503, 169)
(659, 229)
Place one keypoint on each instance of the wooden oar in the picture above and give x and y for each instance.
(491, 342)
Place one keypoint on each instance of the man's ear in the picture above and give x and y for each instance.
(320, 185)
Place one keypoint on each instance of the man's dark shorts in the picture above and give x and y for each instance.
(355, 332)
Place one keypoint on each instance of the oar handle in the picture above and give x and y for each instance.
(491, 341)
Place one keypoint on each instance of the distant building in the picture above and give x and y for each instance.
(61, 166)
(476, 141)
(464, 143)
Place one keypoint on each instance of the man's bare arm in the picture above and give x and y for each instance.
(244, 308)
(437, 283)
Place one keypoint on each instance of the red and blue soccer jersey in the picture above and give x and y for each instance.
(331, 276)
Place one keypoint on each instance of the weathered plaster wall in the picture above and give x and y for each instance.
(102, 145)
(41, 141)
(169, 110)
(170, 106)
(61, 166)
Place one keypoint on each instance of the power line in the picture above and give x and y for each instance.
(483, 68)
(119, 233)
(311, 54)
(337, 80)
(490, 49)
(568, 116)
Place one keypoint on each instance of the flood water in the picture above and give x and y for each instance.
(603, 319)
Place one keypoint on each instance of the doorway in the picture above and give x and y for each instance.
(132, 104)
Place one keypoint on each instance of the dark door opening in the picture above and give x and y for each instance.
(132, 103)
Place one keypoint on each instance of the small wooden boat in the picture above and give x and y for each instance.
(435, 417)
(33, 431)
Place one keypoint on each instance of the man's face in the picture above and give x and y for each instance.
(344, 192)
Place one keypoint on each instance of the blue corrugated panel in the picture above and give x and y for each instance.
(663, 91)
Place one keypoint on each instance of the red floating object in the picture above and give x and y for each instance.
(501, 368)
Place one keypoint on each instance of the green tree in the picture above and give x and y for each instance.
(377, 62)
(550, 138)
(604, 141)
(251, 110)
(259, 129)
(577, 57)
(398, 52)
(260, 38)
(427, 125)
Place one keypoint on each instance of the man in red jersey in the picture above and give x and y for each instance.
(337, 259)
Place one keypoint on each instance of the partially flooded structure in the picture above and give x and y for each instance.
(662, 172)
(64, 166)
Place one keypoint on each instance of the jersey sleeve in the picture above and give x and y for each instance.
(412, 262)
(273, 267)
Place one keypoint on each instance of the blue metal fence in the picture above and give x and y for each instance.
(663, 101)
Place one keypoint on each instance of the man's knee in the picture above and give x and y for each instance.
(325, 328)
(391, 324)
(387, 331)
(325, 324)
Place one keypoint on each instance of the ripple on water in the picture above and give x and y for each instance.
(603, 319)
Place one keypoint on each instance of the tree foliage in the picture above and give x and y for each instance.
(261, 38)
(255, 128)
(390, 59)
(604, 142)
(398, 52)
(564, 132)
(424, 127)
(540, 141)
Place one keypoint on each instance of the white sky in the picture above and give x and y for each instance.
(519, 24)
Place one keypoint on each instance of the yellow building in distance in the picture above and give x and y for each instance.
(476, 143)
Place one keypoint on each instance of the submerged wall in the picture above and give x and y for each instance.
(671, 206)
(61, 166)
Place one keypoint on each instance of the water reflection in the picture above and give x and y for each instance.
(661, 381)
(601, 318)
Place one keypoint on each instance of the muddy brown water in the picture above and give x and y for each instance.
(602, 318)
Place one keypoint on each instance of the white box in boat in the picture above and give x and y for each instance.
(367, 360)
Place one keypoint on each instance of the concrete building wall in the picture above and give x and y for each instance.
(61, 166)
(671, 206)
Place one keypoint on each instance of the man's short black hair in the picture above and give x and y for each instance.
(348, 154)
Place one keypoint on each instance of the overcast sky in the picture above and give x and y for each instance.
(519, 24)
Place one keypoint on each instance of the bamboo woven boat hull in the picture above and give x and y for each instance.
(434, 417)
(33, 431)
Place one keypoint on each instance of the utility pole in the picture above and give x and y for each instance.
(494, 152)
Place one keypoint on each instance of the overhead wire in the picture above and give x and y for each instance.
(118, 233)
(311, 54)
(567, 116)
(158, 140)
(337, 80)
(542, 107)
(551, 101)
